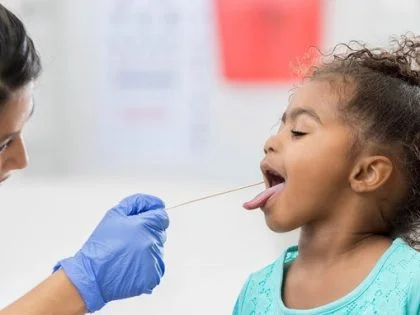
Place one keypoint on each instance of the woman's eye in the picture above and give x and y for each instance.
(4, 146)
(296, 133)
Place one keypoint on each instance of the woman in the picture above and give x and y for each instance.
(123, 256)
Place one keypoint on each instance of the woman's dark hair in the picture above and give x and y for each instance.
(19, 61)
(382, 105)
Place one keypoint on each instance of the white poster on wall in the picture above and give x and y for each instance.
(156, 88)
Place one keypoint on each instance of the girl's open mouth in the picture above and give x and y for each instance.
(275, 182)
(273, 178)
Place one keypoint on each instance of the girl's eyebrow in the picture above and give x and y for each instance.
(296, 112)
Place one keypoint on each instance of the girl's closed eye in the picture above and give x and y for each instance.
(297, 133)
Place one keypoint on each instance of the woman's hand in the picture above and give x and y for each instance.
(123, 256)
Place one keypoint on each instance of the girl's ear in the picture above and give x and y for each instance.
(370, 173)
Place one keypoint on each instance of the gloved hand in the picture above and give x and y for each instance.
(123, 256)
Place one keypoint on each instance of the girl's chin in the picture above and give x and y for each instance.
(277, 220)
(279, 226)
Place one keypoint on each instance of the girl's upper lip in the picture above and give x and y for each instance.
(267, 168)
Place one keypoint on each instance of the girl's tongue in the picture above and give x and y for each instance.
(263, 197)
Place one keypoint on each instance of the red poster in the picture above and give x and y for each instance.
(261, 40)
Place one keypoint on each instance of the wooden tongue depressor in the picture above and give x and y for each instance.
(214, 195)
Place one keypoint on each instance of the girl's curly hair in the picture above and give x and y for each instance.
(382, 105)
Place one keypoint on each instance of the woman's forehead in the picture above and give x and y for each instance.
(17, 109)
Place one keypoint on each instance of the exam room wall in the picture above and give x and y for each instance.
(66, 190)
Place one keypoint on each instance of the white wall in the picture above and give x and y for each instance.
(50, 209)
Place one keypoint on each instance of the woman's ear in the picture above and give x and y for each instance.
(370, 173)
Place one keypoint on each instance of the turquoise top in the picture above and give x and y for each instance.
(392, 287)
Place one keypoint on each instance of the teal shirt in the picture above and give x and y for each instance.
(392, 287)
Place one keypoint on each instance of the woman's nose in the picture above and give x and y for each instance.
(16, 156)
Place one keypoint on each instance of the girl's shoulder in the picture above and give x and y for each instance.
(398, 269)
(405, 257)
(403, 268)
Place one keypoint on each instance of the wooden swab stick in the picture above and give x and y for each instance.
(214, 195)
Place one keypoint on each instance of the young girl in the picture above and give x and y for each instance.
(345, 168)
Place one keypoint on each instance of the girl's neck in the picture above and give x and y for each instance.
(326, 246)
(352, 227)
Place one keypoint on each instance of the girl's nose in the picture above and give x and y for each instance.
(272, 144)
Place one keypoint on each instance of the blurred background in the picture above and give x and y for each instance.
(173, 98)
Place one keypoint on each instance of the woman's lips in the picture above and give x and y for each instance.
(4, 178)
(261, 199)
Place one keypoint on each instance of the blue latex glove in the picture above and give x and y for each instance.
(123, 256)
